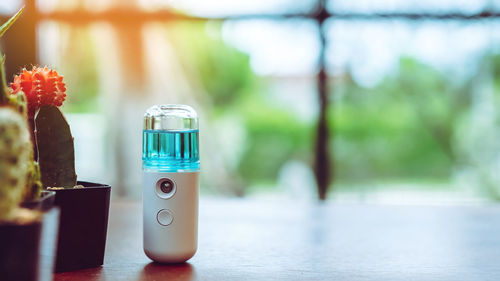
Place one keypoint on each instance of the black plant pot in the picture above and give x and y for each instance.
(20, 251)
(83, 226)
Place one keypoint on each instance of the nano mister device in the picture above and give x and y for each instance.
(171, 166)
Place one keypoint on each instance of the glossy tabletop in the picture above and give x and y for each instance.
(281, 240)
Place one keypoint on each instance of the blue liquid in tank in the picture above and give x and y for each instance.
(170, 151)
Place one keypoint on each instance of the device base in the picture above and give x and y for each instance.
(170, 216)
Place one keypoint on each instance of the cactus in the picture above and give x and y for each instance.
(15, 147)
(51, 136)
(56, 154)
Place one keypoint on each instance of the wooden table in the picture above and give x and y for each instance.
(252, 240)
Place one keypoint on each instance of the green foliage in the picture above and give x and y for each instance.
(56, 154)
(274, 137)
(223, 71)
(401, 128)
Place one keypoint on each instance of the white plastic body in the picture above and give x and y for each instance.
(176, 242)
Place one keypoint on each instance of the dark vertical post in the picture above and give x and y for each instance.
(20, 41)
(322, 156)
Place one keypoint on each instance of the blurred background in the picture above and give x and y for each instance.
(353, 100)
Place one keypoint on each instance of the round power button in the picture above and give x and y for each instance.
(164, 217)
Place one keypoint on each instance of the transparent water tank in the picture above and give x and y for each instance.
(170, 139)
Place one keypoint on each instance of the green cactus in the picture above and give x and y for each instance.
(15, 148)
(56, 154)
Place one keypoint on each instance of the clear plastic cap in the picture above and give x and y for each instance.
(170, 117)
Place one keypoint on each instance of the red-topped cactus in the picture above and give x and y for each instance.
(42, 86)
(45, 91)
